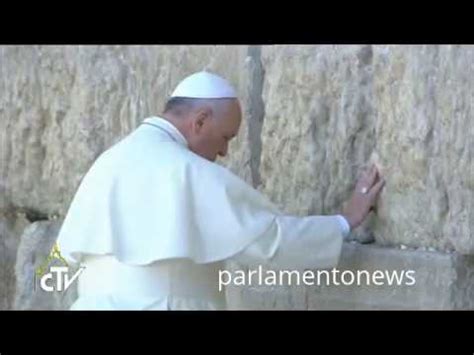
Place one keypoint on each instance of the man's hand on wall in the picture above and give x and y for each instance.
(364, 197)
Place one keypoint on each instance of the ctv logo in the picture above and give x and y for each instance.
(61, 275)
(57, 279)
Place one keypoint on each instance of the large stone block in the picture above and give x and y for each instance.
(441, 281)
(64, 105)
(252, 296)
(331, 109)
(35, 246)
(424, 97)
(365, 279)
(12, 225)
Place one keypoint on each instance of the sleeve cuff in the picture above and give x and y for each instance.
(345, 227)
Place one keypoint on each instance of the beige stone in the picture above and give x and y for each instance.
(442, 281)
(35, 246)
(64, 105)
(330, 110)
(11, 227)
(438, 281)
(424, 98)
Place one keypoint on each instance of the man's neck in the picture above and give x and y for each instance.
(177, 122)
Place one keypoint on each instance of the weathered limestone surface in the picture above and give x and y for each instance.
(441, 281)
(11, 228)
(35, 246)
(331, 109)
(61, 106)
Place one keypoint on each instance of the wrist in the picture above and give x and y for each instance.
(351, 220)
(345, 226)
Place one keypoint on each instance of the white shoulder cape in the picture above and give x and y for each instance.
(150, 198)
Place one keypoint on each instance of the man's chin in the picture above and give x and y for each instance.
(213, 160)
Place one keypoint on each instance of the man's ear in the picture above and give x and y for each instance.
(202, 115)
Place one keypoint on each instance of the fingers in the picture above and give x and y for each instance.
(374, 191)
(369, 177)
(372, 176)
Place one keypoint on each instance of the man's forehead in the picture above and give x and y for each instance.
(230, 124)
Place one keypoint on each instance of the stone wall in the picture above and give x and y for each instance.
(314, 116)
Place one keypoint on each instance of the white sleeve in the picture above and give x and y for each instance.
(298, 243)
(346, 228)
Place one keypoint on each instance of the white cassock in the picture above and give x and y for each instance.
(153, 223)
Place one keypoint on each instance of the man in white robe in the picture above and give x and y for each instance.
(155, 219)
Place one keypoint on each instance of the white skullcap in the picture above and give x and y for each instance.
(204, 85)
